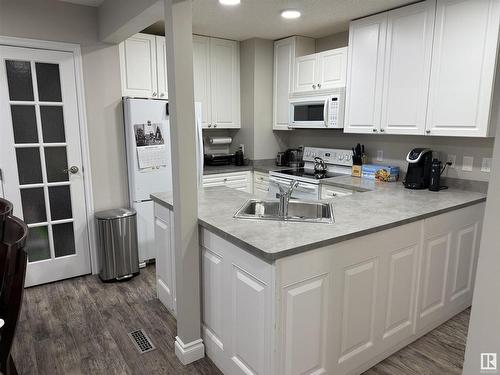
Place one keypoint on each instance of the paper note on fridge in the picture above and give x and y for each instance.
(151, 156)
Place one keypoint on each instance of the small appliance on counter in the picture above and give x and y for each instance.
(239, 157)
(218, 159)
(419, 168)
(281, 159)
(435, 175)
(216, 151)
(294, 158)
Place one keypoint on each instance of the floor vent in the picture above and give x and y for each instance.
(142, 341)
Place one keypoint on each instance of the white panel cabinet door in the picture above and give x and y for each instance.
(332, 68)
(225, 83)
(407, 68)
(161, 67)
(306, 73)
(365, 74)
(463, 67)
(284, 57)
(138, 66)
(201, 73)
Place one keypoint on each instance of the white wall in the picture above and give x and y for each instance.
(484, 326)
(64, 22)
(332, 41)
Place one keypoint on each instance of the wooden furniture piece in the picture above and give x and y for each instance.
(5, 211)
(14, 260)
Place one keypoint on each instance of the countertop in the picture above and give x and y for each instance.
(382, 206)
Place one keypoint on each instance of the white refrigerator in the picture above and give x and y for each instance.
(147, 137)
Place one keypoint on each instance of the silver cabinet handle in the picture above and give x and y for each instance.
(154, 93)
(215, 125)
(209, 125)
(162, 95)
(314, 87)
(225, 180)
(374, 130)
(73, 170)
(319, 85)
(428, 131)
(382, 130)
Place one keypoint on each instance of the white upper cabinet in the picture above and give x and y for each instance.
(285, 51)
(365, 73)
(463, 67)
(407, 68)
(320, 71)
(138, 66)
(201, 72)
(161, 67)
(216, 67)
(427, 68)
(225, 83)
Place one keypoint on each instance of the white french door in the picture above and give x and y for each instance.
(41, 159)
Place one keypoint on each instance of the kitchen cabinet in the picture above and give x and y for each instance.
(235, 180)
(285, 52)
(143, 67)
(261, 184)
(463, 68)
(365, 74)
(165, 256)
(216, 69)
(425, 69)
(320, 71)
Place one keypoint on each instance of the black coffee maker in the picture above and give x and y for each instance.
(419, 168)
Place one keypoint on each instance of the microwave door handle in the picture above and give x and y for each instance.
(325, 111)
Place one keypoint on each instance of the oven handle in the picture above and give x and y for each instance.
(325, 110)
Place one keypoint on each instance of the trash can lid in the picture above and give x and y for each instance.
(116, 213)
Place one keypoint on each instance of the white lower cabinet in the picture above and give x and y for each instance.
(236, 180)
(331, 192)
(261, 184)
(165, 257)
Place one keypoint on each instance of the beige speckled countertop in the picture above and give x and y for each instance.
(382, 206)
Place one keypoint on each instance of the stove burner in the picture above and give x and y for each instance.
(310, 173)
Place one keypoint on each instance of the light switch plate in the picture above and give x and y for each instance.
(467, 163)
(486, 165)
(380, 155)
(453, 160)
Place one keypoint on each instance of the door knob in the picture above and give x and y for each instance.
(73, 170)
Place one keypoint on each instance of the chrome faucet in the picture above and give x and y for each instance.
(284, 195)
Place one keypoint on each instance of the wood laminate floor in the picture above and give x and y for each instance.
(81, 325)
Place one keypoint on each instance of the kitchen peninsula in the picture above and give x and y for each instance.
(310, 298)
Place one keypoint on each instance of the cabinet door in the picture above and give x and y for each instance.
(332, 68)
(201, 72)
(407, 68)
(165, 267)
(161, 67)
(306, 73)
(283, 80)
(225, 83)
(463, 67)
(138, 66)
(364, 74)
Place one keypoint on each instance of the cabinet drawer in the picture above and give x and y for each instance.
(162, 212)
(239, 180)
(329, 192)
(261, 178)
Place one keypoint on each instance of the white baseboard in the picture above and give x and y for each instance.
(190, 352)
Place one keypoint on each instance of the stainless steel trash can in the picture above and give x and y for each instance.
(118, 248)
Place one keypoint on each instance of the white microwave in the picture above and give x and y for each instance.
(317, 112)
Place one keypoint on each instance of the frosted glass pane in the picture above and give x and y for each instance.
(33, 201)
(60, 202)
(52, 124)
(64, 239)
(48, 82)
(24, 123)
(37, 244)
(28, 165)
(19, 80)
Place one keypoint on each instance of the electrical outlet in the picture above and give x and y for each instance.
(486, 165)
(242, 148)
(467, 163)
(453, 160)
(380, 155)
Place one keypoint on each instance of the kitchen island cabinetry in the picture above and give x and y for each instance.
(338, 309)
(235, 180)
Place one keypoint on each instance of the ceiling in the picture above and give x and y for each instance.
(261, 18)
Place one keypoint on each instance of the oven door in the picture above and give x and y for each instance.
(308, 113)
(303, 191)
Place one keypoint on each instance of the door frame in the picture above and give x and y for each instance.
(82, 120)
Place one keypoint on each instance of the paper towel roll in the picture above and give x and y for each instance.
(220, 140)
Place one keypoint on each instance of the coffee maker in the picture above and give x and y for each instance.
(419, 168)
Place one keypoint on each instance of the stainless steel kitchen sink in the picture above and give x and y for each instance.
(313, 212)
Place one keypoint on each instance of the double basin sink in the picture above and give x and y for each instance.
(302, 211)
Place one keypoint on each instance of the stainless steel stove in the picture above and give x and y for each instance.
(338, 163)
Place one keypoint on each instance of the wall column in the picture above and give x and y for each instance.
(178, 31)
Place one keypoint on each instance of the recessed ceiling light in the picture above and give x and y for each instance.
(229, 2)
(290, 14)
